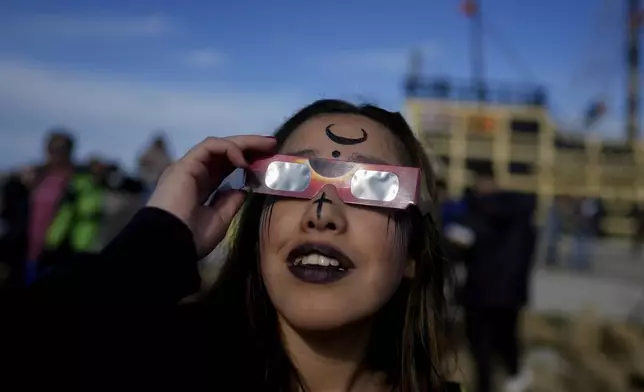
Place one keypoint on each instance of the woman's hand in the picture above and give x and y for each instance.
(185, 186)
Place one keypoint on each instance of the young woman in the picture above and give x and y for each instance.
(319, 293)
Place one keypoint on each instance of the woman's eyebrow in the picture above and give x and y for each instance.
(355, 157)
(360, 158)
(302, 153)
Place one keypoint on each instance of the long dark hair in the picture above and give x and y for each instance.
(408, 341)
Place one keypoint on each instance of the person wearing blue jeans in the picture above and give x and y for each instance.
(583, 234)
(580, 251)
(553, 231)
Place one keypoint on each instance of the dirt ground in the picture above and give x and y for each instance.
(572, 354)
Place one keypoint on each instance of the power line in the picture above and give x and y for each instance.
(603, 21)
(494, 34)
(512, 56)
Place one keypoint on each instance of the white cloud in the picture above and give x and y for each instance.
(394, 60)
(115, 116)
(88, 26)
(204, 58)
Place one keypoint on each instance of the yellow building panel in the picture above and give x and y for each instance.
(550, 164)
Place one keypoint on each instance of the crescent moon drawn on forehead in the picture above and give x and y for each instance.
(345, 140)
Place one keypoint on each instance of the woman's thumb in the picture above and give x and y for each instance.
(216, 218)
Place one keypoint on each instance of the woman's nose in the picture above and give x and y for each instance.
(325, 213)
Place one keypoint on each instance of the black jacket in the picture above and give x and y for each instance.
(14, 220)
(112, 320)
(499, 262)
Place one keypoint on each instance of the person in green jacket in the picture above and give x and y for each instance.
(78, 220)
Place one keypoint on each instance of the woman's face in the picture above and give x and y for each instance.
(374, 245)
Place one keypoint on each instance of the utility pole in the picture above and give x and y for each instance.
(416, 65)
(633, 64)
(472, 9)
(414, 72)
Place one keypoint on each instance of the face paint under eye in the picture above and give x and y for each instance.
(335, 153)
(320, 202)
(345, 140)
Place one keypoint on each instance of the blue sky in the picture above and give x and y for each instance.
(115, 71)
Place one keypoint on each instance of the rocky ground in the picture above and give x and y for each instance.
(584, 331)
